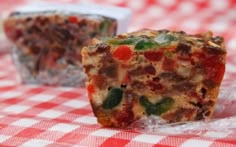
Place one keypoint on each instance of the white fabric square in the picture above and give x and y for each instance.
(4, 83)
(42, 97)
(104, 133)
(217, 134)
(25, 122)
(219, 26)
(76, 103)
(10, 94)
(148, 138)
(196, 143)
(2, 74)
(50, 114)
(62, 127)
(87, 120)
(4, 138)
(16, 109)
(1, 116)
(36, 143)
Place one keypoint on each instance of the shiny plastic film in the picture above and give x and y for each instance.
(69, 75)
(221, 125)
(48, 39)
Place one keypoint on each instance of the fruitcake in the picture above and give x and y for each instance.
(48, 41)
(169, 74)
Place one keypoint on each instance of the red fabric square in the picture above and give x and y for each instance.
(46, 105)
(161, 145)
(177, 140)
(2, 126)
(70, 95)
(81, 111)
(12, 101)
(71, 138)
(228, 141)
(6, 88)
(14, 142)
(36, 90)
(115, 142)
(29, 133)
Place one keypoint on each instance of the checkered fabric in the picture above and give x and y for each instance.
(34, 116)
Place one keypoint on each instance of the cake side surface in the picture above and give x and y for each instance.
(170, 74)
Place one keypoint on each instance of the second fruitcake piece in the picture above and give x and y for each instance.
(170, 74)
(48, 44)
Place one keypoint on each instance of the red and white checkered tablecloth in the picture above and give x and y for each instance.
(46, 116)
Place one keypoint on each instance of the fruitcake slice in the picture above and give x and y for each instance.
(49, 39)
(170, 74)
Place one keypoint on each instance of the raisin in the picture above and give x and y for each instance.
(181, 32)
(184, 86)
(28, 19)
(109, 70)
(150, 69)
(100, 81)
(155, 86)
(168, 64)
(179, 114)
(87, 68)
(35, 50)
(183, 49)
(204, 110)
(60, 50)
(137, 85)
(123, 86)
(163, 31)
(218, 40)
(82, 23)
(156, 79)
(125, 116)
(213, 50)
(153, 56)
(60, 33)
(203, 92)
(102, 47)
(173, 76)
(136, 72)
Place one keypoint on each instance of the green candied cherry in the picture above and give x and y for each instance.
(145, 43)
(164, 105)
(117, 41)
(164, 39)
(160, 107)
(150, 108)
(113, 98)
(104, 26)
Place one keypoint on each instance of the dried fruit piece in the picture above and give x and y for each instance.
(113, 98)
(160, 107)
(122, 53)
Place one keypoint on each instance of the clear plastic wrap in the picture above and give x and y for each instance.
(48, 38)
(69, 75)
(221, 125)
